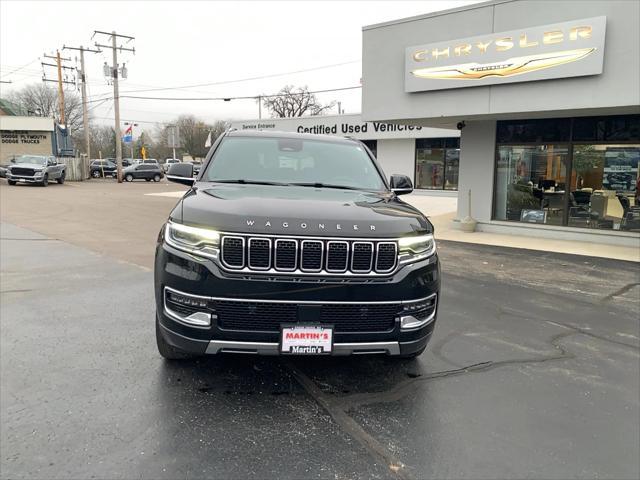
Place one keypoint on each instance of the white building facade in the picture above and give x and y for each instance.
(429, 156)
(548, 98)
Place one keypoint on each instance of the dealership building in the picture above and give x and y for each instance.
(22, 134)
(547, 97)
(429, 156)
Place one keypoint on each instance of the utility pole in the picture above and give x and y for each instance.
(58, 65)
(116, 94)
(339, 108)
(260, 107)
(83, 79)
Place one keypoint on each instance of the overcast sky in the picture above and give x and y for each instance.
(186, 43)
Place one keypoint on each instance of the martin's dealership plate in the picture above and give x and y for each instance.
(306, 339)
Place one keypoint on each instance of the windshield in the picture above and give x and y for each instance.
(294, 161)
(33, 159)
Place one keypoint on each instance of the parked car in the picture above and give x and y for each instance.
(103, 168)
(39, 169)
(146, 171)
(150, 160)
(168, 162)
(126, 162)
(314, 256)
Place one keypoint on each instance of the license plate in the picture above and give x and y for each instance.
(22, 180)
(306, 340)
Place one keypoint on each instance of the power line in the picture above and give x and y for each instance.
(239, 80)
(226, 99)
(20, 68)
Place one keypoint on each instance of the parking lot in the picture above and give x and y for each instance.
(533, 371)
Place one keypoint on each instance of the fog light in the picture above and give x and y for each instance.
(190, 309)
(418, 314)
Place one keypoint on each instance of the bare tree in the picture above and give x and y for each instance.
(102, 139)
(193, 136)
(295, 102)
(41, 99)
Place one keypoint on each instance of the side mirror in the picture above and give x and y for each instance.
(401, 184)
(13, 160)
(181, 173)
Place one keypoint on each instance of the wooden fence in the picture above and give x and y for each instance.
(77, 168)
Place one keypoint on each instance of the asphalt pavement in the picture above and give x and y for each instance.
(533, 371)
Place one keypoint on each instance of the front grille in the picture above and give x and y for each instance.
(27, 172)
(269, 316)
(309, 256)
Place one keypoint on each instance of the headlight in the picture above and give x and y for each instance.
(199, 241)
(413, 249)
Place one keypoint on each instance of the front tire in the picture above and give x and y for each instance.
(45, 181)
(128, 177)
(167, 351)
(95, 174)
(156, 178)
(61, 178)
(11, 182)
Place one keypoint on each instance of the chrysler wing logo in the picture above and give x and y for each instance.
(506, 68)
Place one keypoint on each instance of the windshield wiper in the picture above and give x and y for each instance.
(324, 185)
(242, 181)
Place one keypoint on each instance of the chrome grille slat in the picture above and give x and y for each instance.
(311, 255)
(386, 256)
(361, 257)
(259, 253)
(286, 255)
(272, 255)
(233, 251)
(337, 256)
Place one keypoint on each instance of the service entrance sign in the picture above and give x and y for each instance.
(559, 50)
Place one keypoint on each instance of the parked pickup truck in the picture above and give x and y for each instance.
(39, 169)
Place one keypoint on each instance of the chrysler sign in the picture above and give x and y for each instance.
(559, 50)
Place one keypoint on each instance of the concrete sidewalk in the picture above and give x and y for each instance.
(442, 211)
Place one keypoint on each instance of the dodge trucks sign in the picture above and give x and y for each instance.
(559, 50)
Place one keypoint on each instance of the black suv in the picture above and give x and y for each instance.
(294, 244)
(103, 168)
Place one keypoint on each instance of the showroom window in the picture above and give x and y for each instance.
(437, 163)
(578, 172)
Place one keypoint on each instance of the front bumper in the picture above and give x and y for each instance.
(181, 272)
(24, 178)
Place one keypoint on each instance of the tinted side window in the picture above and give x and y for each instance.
(538, 131)
(621, 128)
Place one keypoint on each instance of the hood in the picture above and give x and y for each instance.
(290, 210)
(35, 166)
